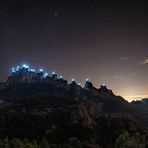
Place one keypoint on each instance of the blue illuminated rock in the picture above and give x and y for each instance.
(26, 74)
(54, 76)
(88, 85)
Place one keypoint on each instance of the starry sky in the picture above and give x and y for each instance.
(105, 41)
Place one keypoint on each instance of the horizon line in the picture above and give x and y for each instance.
(135, 97)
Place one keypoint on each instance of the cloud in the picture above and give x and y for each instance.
(144, 62)
(124, 58)
(127, 58)
(132, 59)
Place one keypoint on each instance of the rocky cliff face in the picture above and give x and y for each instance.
(142, 102)
(60, 114)
(25, 75)
(35, 105)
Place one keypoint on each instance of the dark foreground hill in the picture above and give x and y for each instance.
(34, 111)
(56, 114)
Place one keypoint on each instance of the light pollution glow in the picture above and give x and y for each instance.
(136, 97)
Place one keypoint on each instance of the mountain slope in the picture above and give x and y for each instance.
(50, 107)
(44, 110)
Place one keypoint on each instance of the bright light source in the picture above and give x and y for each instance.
(33, 70)
(73, 80)
(46, 74)
(41, 70)
(13, 69)
(87, 79)
(53, 73)
(79, 84)
(18, 67)
(103, 84)
(25, 66)
(61, 77)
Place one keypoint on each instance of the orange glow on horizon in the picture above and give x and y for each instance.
(136, 97)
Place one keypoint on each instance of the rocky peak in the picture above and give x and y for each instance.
(26, 74)
(73, 84)
(104, 91)
(88, 85)
(54, 76)
(75, 87)
(103, 87)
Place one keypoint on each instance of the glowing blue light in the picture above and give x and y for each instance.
(46, 74)
(33, 70)
(18, 67)
(13, 69)
(73, 80)
(41, 70)
(25, 66)
(61, 77)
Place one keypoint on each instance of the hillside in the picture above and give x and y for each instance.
(37, 107)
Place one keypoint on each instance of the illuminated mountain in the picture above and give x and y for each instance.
(34, 105)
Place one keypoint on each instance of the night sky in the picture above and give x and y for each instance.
(105, 41)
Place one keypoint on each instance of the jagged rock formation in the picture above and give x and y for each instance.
(47, 106)
(143, 101)
(25, 74)
(88, 85)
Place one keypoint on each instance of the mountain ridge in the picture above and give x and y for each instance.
(50, 107)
